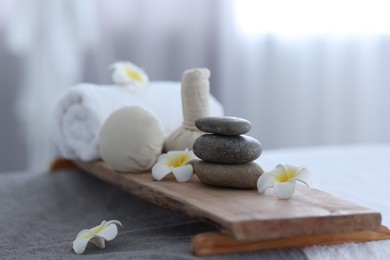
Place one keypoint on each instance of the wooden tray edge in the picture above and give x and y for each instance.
(95, 168)
(216, 243)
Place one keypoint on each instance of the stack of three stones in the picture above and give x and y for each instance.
(227, 154)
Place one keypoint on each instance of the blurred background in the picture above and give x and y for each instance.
(304, 72)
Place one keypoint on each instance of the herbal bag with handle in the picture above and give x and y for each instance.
(195, 90)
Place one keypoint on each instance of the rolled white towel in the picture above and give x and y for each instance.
(82, 110)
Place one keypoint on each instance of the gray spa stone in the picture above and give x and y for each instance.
(243, 176)
(223, 125)
(227, 149)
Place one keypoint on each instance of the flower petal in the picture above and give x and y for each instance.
(160, 170)
(163, 157)
(280, 167)
(172, 154)
(118, 77)
(127, 73)
(117, 222)
(80, 244)
(192, 156)
(99, 242)
(303, 175)
(291, 167)
(183, 173)
(284, 190)
(281, 173)
(83, 232)
(109, 232)
(265, 181)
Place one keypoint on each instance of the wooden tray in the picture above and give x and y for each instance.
(245, 218)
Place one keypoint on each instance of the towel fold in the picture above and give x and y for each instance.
(80, 113)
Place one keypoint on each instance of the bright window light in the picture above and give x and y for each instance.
(313, 16)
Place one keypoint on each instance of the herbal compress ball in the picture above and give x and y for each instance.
(131, 139)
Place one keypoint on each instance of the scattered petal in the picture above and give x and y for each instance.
(160, 170)
(128, 74)
(303, 176)
(113, 222)
(109, 232)
(283, 179)
(284, 190)
(80, 244)
(99, 242)
(184, 173)
(163, 157)
(106, 231)
(265, 181)
(175, 162)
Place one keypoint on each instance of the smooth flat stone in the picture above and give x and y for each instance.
(227, 149)
(243, 176)
(223, 125)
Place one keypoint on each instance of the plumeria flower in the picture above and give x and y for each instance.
(128, 74)
(107, 230)
(283, 179)
(176, 162)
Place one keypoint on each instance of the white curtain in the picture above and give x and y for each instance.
(297, 88)
(306, 88)
(63, 42)
(52, 39)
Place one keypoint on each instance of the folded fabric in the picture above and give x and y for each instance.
(82, 110)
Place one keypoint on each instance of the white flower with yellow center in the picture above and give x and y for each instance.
(176, 162)
(128, 74)
(283, 179)
(107, 230)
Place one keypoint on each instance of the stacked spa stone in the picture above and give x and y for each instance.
(227, 154)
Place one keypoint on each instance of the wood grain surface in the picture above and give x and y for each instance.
(215, 243)
(245, 214)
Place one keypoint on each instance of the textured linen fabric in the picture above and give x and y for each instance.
(40, 215)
